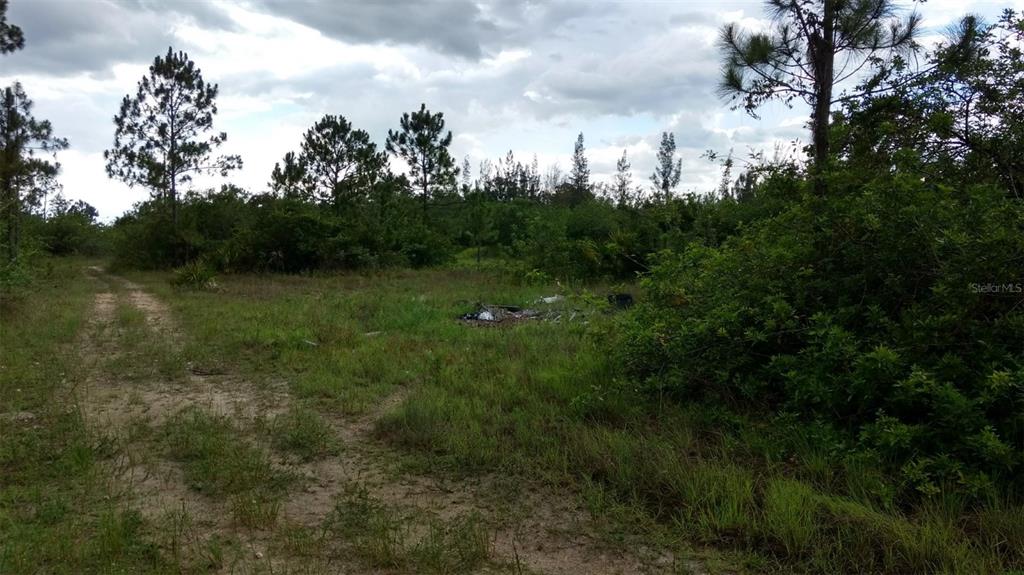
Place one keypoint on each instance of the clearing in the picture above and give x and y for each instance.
(342, 424)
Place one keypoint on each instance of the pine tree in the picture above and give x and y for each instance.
(798, 58)
(23, 172)
(289, 178)
(467, 179)
(534, 190)
(623, 185)
(423, 144)
(579, 177)
(11, 36)
(725, 185)
(162, 137)
(341, 164)
(668, 170)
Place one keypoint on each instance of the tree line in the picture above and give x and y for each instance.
(867, 300)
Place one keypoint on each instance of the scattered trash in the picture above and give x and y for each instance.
(621, 300)
(310, 343)
(491, 314)
(372, 333)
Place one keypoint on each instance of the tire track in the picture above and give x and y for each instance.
(544, 532)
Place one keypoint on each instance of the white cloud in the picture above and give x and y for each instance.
(526, 76)
(84, 178)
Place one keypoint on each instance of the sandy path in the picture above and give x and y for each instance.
(545, 532)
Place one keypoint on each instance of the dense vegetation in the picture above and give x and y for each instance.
(867, 307)
(887, 313)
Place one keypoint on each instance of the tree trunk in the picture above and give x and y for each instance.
(426, 187)
(174, 204)
(824, 71)
(8, 183)
(13, 225)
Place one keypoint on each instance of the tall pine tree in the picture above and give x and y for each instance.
(579, 177)
(163, 133)
(27, 167)
(622, 187)
(814, 45)
(668, 170)
(339, 164)
(423, 144)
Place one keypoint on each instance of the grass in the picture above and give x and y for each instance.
(57, 513)
(219, 462)
(304, 433)
(382, 536)
(141, 354)
(534, 402)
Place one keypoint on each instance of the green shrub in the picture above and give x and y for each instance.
(194, 275)
(870, 309)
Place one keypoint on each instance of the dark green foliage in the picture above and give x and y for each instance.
(423, 145)
(194, 275)
(232, 231)
(69, 228)
(669, 169)
(338, 165)
(884, 318)
(960, 121)
(623, 192)
(336, 205)
(578, 188)
(162, 135)
(813, 46)
(891, 311)
(11, 36)
(26, 174)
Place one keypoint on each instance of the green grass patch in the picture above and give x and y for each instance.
(386, 537)
(543, 401)
(221, 463)
(57, 513)
(302, 432)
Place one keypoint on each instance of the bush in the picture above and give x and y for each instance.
(867, 310)
(194, 275)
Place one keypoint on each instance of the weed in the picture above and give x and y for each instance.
(385, 537)
(541, 400)
(194, 275)
(220, 463)
(303, 432)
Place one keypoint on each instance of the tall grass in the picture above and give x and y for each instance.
(541, 401)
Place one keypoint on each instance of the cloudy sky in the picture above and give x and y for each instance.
(508, 74)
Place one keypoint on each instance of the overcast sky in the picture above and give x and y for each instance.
(525, 76)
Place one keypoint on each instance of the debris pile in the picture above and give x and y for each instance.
(489, 313)
(550, 308)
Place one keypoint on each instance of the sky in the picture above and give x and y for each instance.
(525, 76)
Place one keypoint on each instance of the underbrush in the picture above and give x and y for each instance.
(863, 315)
(303, 433)
(543, 400)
